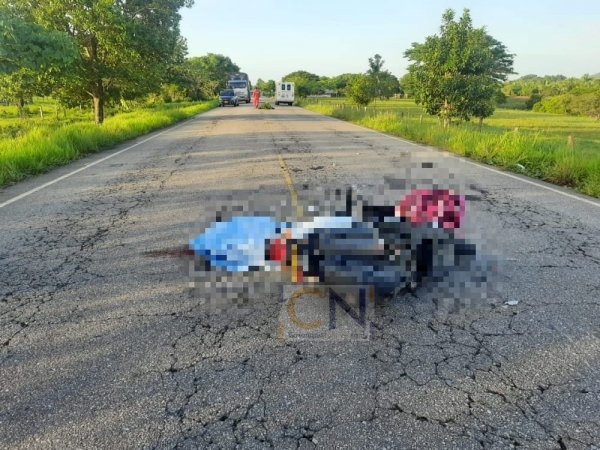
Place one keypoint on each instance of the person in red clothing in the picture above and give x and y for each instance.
(255, 97)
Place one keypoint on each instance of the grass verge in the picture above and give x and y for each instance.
(532, 152)
(45, 147)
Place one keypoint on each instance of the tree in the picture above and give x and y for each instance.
(361, 89)
(267, 87)
(407, 85)
(270, 87)
(341, 81)
(199, 78)
(306, 83)
(375, 72)
(179, 83)
(263, 86)
(576, 105)
(126, 47)
(593, 105)
(552, 85)
(385, 84)
(483, 98)
(455, 74)
(388, 85)
(29, 56)
(28, 46)
(214, 69)
(532, 100)
(326, 84)
(19, 86)
(375, 65)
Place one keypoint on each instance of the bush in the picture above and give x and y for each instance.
(533, 99)
(554, 105)
(575, 105)
(360, 89)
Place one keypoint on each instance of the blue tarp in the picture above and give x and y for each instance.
(238, 244)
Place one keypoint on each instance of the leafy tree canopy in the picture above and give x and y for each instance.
(552, 85)
(384, 83)
(214, 68)
(25, 45)
(361, 89)
(126, 47)
(375, 65)
(306, 83)
(266, 86)
(456, 74)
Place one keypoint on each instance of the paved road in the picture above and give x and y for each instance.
(103, 344)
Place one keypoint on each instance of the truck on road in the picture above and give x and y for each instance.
(284, 92)
(240, 83)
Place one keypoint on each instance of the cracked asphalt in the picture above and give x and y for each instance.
(103, 344)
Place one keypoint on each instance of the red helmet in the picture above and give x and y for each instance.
(436, 206)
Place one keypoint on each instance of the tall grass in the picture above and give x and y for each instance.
(540, 154)
(44, 147)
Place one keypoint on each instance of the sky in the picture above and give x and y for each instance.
(268, 39)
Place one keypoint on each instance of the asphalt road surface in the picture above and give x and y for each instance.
(104, 344)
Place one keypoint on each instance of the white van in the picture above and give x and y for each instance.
(284, 92)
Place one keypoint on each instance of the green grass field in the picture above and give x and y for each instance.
(533, 144)
(515, 103)
(32, 145)
(54, 116)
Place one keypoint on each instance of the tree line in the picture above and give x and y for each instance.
(375, 83)
(459, 74)
(558, 94)
(102, 52)
(115, 52)
(455, 75)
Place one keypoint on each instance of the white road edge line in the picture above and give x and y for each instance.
(463, 159)
(49, 183)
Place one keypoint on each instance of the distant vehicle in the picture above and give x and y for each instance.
(228, 97)
(284, 92)
(240, 83)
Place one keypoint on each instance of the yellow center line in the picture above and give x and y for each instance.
(294, 263)
(288, 181)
